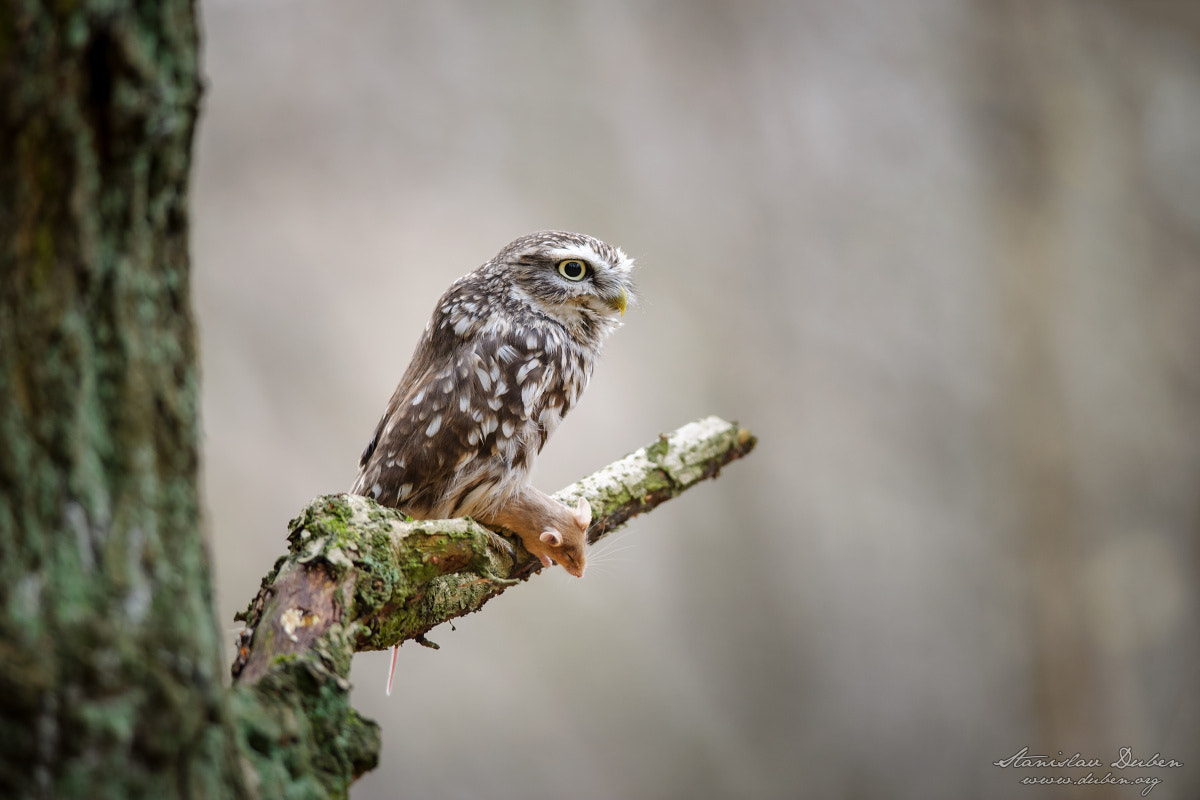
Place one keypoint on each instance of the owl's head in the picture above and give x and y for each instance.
(578, 280)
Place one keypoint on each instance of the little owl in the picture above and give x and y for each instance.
(505, 356)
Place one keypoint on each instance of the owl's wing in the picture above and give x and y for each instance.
(388, 454)
(473, 408)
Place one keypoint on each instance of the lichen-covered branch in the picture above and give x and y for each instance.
(360, 576)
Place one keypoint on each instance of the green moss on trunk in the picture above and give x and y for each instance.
(109, 678)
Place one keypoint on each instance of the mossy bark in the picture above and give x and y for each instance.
(109, 673)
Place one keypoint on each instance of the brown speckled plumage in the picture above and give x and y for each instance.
(506, 355)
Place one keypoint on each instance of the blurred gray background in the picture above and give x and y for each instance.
(943, 258)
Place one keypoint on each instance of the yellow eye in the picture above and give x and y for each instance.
(572, 269)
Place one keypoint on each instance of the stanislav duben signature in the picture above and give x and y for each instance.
(1125, 760)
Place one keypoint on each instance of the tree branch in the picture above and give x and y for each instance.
(359, 576)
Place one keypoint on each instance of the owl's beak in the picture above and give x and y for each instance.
(619, 303)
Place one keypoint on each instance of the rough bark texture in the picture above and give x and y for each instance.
(363, 577)
(109, 674)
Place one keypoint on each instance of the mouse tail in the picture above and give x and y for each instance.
(392, 668)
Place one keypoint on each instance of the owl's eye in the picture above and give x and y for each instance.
(572, 269)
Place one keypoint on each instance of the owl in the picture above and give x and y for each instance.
(507, 353)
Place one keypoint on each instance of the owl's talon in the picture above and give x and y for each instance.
(500, 543)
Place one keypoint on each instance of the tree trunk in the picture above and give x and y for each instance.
(109, 657)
